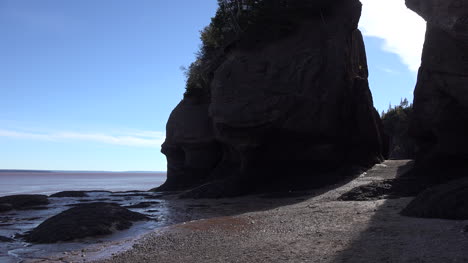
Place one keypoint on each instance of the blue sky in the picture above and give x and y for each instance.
(89, 85)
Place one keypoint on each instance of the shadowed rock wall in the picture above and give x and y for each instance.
(280, 114)
(440, 120)
(190, 147)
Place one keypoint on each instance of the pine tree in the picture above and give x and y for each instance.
(396, 123)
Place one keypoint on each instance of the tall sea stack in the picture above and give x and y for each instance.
(281, 103)
(440, 123)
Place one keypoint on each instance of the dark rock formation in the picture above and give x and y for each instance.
(5, 239)
(279, 113)
(440, 119)
(85, 220)
(447, 201)
(372, 191)
(191, 149)
(70, 194)
(142, 205)
(11, 202)
(5, 207)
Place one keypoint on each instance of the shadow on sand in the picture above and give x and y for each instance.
(390, 237)
(175, 210)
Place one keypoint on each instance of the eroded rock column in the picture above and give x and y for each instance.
(289, 110)
(191, 149)
(440, 124)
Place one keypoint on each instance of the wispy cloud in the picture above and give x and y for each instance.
(134, 139)
(402, 30)
(389, 70)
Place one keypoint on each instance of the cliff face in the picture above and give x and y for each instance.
(191, 148)
(440, 123)
(280, 114)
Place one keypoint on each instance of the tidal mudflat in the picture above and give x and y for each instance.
(161, 210)
(75, 188)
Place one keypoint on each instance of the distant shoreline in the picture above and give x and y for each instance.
(71, 171)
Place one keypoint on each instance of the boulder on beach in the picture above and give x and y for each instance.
(11, 202)
(5, 239)
(142, 205)
(86, 220)
(446, 201)
(70, 194)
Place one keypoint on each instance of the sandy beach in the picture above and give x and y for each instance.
(317, 229)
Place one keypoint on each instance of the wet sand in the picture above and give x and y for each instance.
(162, 209)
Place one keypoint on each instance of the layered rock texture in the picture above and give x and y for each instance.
(440, 119)
(279, 114)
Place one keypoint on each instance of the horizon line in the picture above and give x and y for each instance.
(85, 171)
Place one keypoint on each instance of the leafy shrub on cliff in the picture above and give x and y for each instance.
(396, 123)
(243, 22)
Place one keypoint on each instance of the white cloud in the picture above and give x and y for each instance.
(389, 70)
(135, 139)
(402, 29)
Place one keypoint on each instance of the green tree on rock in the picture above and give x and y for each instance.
(396, 124)
(236, 21)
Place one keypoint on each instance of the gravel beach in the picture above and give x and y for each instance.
(318, 228)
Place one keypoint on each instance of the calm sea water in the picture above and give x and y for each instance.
(52, 182)
(35, 182)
